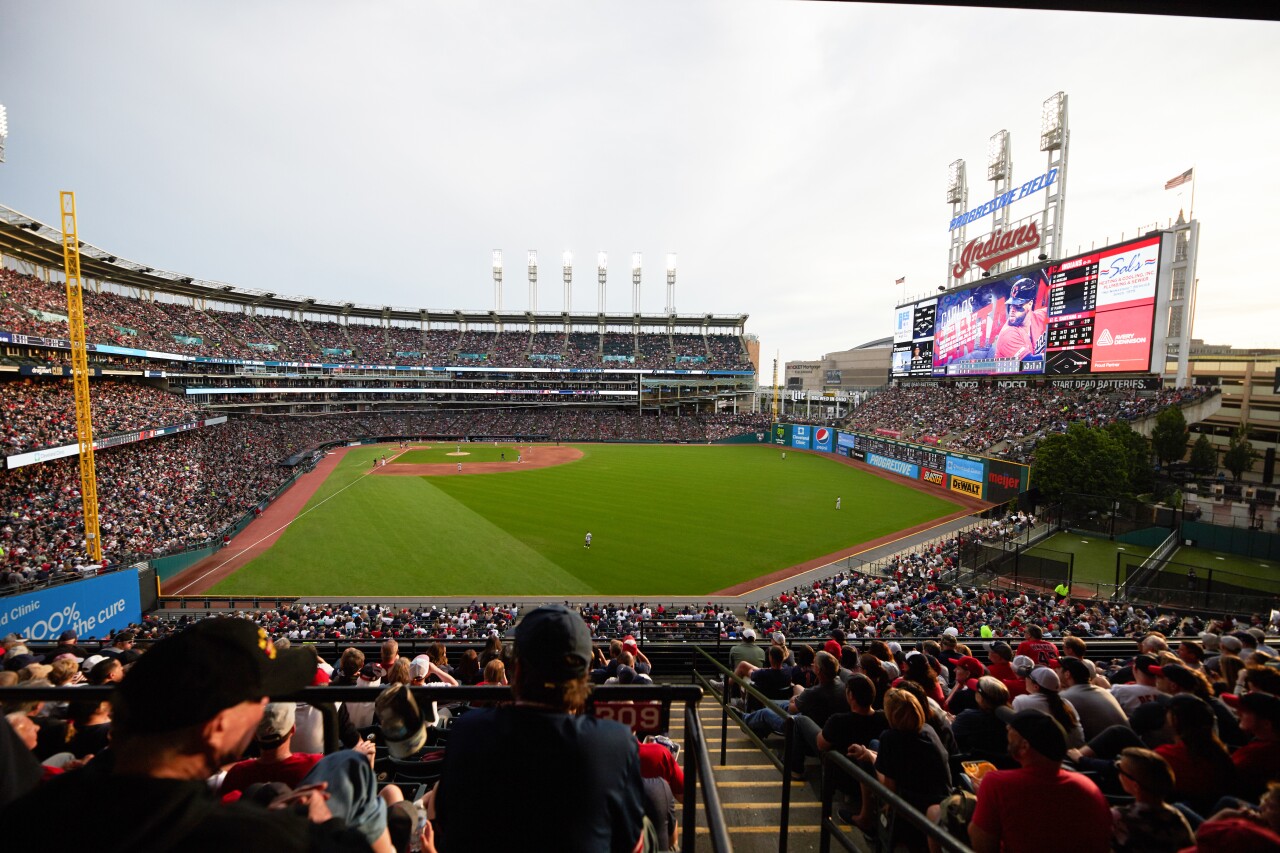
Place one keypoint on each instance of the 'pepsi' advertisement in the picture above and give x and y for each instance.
(93, 608)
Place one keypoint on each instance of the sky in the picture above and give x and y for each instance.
(794, 155)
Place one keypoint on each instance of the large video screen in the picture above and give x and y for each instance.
(1089, 314)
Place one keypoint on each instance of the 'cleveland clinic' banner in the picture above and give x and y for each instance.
(92, 608)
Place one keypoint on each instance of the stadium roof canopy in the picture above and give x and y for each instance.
(39, 244)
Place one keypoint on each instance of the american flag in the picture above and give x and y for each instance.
(1178, 181)
(902, 280)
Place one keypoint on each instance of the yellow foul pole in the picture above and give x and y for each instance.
(80, 374)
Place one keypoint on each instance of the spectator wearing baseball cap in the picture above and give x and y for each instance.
(1012, 815)
(1142, 690)
(1258, 761)
(277, 762)
(67, 645)
(980, 729)
(747, 650)
(963, 694)
(189, 705)
(569, 782)
(122, 647)
(1043, 687)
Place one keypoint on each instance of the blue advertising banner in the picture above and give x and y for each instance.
(847, 439)
(801, 435)
(92, 608)
(822, 439)
(897, 466)
(967, 468)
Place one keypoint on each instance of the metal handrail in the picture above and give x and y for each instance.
(696, 744)
(837, 768)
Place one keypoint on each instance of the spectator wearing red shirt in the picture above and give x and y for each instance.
(1039, 806)
(1201, 763)
(1035, 646)
(277, 762)
(1258, 761)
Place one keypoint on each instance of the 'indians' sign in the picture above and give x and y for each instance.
(1000, 245)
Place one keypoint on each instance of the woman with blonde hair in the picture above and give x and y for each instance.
(911, 760)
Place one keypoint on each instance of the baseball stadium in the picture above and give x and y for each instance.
(353, 575)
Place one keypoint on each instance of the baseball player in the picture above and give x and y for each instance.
(1024, 331)
(837, 503)
(587, 543)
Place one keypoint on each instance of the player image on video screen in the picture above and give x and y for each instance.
(1026, 319)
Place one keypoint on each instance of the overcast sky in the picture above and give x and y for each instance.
(794, 155)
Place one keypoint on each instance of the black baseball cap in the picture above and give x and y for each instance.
(1023, 291)
(1044, 733)
(216, 663)
(555, 642)
(1145, 664)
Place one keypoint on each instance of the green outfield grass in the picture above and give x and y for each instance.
(1095, 557)
(1263, 575)
(666, 520)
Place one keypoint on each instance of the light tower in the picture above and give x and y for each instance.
(1055, 137)
(567, 259)
(533, 280)
(958, 198)
(602, 273)
(497, 279)
(635, 283)
(4, 130)
(671, 284)
(1000, 171)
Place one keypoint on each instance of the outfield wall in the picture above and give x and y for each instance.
(992, 480)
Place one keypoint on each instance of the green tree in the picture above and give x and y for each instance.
(1204, 459)
(1137, 450)
(1083, 460)
(1169, 437)
(1240, 455)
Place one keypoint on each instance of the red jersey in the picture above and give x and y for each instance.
(1027, 339)
(1043, 652)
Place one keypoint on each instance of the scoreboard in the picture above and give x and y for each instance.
(1093, 313)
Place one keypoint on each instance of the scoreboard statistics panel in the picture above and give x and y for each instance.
(902, 451)
(913, 339)
(1098, 317)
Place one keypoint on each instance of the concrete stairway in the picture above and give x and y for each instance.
(750, 789)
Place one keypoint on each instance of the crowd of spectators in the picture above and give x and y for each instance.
(38, 413)
(31, 306)
(914, 595)
(1004, 421)
(1174, 746)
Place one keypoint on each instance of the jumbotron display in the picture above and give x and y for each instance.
(1089, 314)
